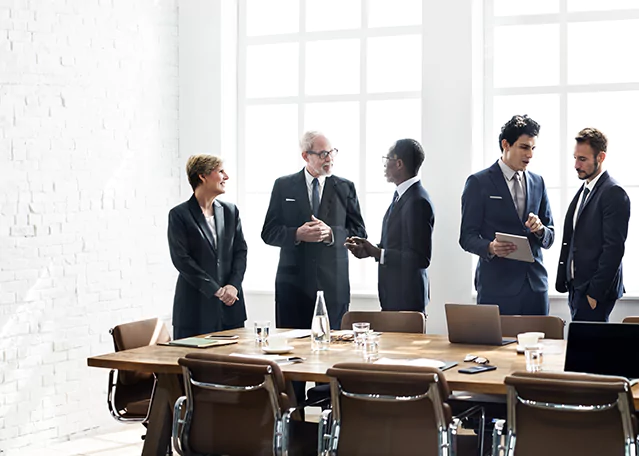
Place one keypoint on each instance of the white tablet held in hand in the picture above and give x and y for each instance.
(523, 252)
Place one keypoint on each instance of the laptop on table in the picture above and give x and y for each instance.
(478, 324)
(604, 349)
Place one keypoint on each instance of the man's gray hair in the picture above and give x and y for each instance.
(307, 140)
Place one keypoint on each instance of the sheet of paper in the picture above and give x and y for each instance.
(294, 333)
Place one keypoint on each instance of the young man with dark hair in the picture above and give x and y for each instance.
(595, 232)
(507, 198)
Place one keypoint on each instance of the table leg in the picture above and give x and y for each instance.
(158, 434)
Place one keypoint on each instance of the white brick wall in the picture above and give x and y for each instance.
(89, 168)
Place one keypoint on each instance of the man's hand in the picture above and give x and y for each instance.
(313, 231)
(362, 248)
(592, 302)
(230, 295)
(328, 237)
(501, 249)
(534, 224)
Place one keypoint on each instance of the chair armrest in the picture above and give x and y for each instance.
(456, 424)
(178, 424)
(324, 432)
(498, 433)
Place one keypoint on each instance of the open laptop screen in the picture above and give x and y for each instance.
(603, 348)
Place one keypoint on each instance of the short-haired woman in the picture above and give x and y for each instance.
(209, 251)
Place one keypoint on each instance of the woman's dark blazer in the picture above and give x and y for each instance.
(205, 266)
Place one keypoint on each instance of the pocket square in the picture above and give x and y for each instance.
(495, 197)
(290, 199)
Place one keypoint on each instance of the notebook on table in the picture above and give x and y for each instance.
(477, 324)
(199, 342)
(604, 349)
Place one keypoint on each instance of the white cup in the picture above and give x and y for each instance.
(277, 342)
(529, 339)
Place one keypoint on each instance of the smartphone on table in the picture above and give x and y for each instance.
(476, 369)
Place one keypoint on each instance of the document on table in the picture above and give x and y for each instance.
(422, 362)
(294, 334)
(523, 252)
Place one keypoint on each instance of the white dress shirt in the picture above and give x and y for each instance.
(309, 188)
(509, 175)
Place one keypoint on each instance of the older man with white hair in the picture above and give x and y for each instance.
(310, 215)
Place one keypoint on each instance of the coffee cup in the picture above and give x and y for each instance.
(529, 339)
(277, 342)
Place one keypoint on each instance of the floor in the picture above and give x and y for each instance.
(124, 442)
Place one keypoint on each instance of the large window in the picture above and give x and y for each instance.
(351, 69)
(569, 64)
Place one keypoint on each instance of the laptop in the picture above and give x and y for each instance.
(603, 348)
(477, 324)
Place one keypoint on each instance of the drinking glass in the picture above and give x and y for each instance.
(359, 329)
(370, 346)
(262, 329)
(534, 357)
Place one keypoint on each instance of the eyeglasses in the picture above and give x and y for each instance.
(324, 153)
(386, 159)
(476, 359)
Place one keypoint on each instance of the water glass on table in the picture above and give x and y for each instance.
(359, 330)
(370, 344)
(262, 330)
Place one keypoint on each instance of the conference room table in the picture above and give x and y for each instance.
(163, 361)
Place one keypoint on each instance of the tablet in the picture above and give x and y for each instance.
(523, 252)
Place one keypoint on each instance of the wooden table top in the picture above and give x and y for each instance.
(163, 359)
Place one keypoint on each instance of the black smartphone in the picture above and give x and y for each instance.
(476, 369)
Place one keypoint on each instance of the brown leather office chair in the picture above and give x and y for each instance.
(551, 326)
(555, 414)
(630, 320)
(237, 406)
(387, 321)
(130, 392)
(381, 410)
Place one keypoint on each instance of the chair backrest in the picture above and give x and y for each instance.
(551, 326)
(130, 392)
(226, 393)
(569, 413)
(387, 321)
(388, 409)
(630, 320)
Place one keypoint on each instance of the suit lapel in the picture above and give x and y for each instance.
(200, 221)
(328, 195)
(604, 177)
(301, 195)
(502, 187)
(218, 213)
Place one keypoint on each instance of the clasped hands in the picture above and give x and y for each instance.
(314, 231)
(502, 249)
(227, 294)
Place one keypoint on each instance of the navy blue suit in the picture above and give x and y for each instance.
(519, 288)
(598, 243)
(205, 266)
(306, 267)
(407, 244)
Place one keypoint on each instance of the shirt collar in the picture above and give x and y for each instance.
(508, 172)
(309, 178)
(590, 185)
(401, 188)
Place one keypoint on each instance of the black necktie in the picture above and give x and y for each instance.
(584, 196)
(315, 198)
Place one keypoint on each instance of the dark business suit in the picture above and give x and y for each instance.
(205, 267)
(598, 242)
(306, 267)
(519, 288)
(407, 244)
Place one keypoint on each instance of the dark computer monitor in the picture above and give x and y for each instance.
(603, 348)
